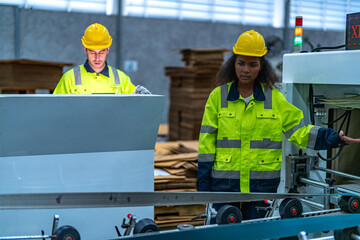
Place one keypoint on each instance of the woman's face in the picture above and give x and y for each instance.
(247, 68)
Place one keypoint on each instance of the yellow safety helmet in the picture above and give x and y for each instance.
(96, 36)
(250, 43)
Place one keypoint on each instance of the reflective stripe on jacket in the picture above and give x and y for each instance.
(240, 147)
(79, 81)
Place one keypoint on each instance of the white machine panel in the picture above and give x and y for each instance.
(333, 67)
(76, 143)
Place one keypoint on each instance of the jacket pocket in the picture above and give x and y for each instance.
(267, 124)
(226, 114)
(223, 158)
(269, 162)
(226, 124)
(267, 114)
(222, 162)
(81, 89)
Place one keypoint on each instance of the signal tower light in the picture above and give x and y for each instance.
(298, 34)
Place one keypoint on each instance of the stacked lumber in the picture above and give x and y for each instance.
(176, 170)
(28, 76)
(189, 89)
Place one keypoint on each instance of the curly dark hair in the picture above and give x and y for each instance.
(227, 73)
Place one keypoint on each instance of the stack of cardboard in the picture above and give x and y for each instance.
(189, 89)
(176, 166)
(28, 76)
(169, 217)
(176, 170)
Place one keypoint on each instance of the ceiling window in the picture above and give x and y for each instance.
(317, 14)
(252, 12)
(323, 14)
(92, 6)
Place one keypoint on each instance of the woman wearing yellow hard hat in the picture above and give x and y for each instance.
(245, 118)
(95, 75)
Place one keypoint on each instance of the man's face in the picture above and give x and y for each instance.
(97, 58)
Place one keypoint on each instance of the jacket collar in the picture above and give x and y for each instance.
(234, 94)
(88, 68)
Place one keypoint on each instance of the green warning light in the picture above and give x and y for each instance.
(298, 40)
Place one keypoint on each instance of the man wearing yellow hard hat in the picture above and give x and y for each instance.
(95, 75)
(245, 118)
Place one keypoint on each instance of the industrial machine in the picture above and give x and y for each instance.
(325, 86)
(75, 143)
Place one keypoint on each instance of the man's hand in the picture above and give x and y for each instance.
(348, 140)
(141, 90)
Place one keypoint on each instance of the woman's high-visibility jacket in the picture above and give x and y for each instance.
(84, 80)
(240, 147)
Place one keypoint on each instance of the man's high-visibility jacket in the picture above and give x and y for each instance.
(240, 147)
(84, 80)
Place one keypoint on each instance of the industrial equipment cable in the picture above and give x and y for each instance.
(320, 48)
(345, 116)
(333, 121)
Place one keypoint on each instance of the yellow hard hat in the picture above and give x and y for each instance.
(250, 43)
(96, 36)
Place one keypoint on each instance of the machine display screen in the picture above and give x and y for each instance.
(352, 31)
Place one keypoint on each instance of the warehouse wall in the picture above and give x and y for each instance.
(153, 43)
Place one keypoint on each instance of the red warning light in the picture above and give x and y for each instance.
(299, 21)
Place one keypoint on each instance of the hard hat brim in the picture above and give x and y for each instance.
(250, 54)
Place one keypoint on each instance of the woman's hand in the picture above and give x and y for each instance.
(348, 140)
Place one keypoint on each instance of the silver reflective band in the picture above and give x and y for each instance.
(206, 157)
(116, 75)
(292, 130)
(266, 143)
(224, 95)
(208, 129)
(264, 174)
(225, 174)
(268, 97)
(77, 75)
(312, 137)
(226, 143)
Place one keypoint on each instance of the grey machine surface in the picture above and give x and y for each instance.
(76, 143)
